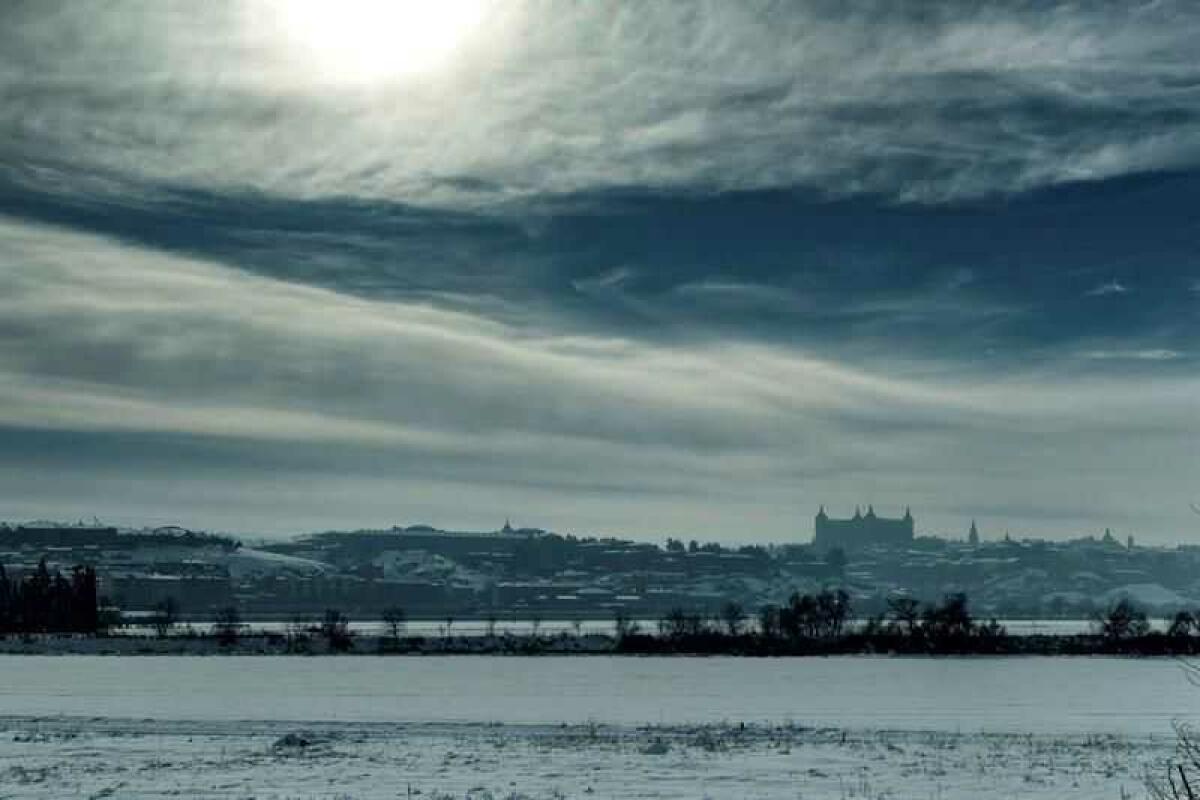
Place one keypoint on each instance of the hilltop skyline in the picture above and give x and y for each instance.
(654, 271)
(836, 536)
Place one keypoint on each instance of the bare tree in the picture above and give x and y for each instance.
(1182, 625)
(679, 623)
(227, 626)
(1182, 778)
(949, 623)
(833, 608)
(905, 613)
(768, 622)
(335, 627)
(1123, 621)
(623, 624)
(166, 614)
(733, 617)
(395, 618)
(298, 635)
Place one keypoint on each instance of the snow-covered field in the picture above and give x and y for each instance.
(71, 757)
(590, 727)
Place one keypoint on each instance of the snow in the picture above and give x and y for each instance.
(423, 565)
(1149, 595)
(586, 727)
(60, 757)
(246, 561)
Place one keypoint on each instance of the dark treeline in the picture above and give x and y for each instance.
(48, 602)
(819, 625)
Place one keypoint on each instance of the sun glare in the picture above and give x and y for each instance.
(370, 40)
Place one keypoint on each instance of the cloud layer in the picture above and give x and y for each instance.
(942, 101)
(639, 268)
(146, 360)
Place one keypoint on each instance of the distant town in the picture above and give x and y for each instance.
(529, 573)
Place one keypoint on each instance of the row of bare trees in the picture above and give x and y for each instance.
(819, 623)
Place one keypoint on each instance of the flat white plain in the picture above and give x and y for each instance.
(478, 727)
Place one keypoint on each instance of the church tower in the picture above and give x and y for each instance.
(821, 526)
(973, 535)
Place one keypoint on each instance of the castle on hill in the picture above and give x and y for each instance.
(862, 530)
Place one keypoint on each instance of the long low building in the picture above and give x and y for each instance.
(862, 530)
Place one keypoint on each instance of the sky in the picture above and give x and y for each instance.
(646, 269)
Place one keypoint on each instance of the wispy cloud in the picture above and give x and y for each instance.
(958, 101)
(183, 367)
(1157, 354)
(604, 281)
(1112, 287)
(751, 297)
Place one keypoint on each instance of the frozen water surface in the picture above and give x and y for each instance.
(1016, 695)
(585, 727)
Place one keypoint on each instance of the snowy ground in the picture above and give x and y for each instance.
(435, 727)
(52, 757)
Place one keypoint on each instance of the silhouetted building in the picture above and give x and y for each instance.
(973, 534)
(862, 530)
(58, 535)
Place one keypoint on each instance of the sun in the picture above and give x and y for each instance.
(373, 40)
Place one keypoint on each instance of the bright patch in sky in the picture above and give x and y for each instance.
(371, 40)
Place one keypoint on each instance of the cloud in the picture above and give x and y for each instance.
(715, 295)
(1159, 354)
(604, 281)
(957, 101)
(129, 373)
(1104, 289)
